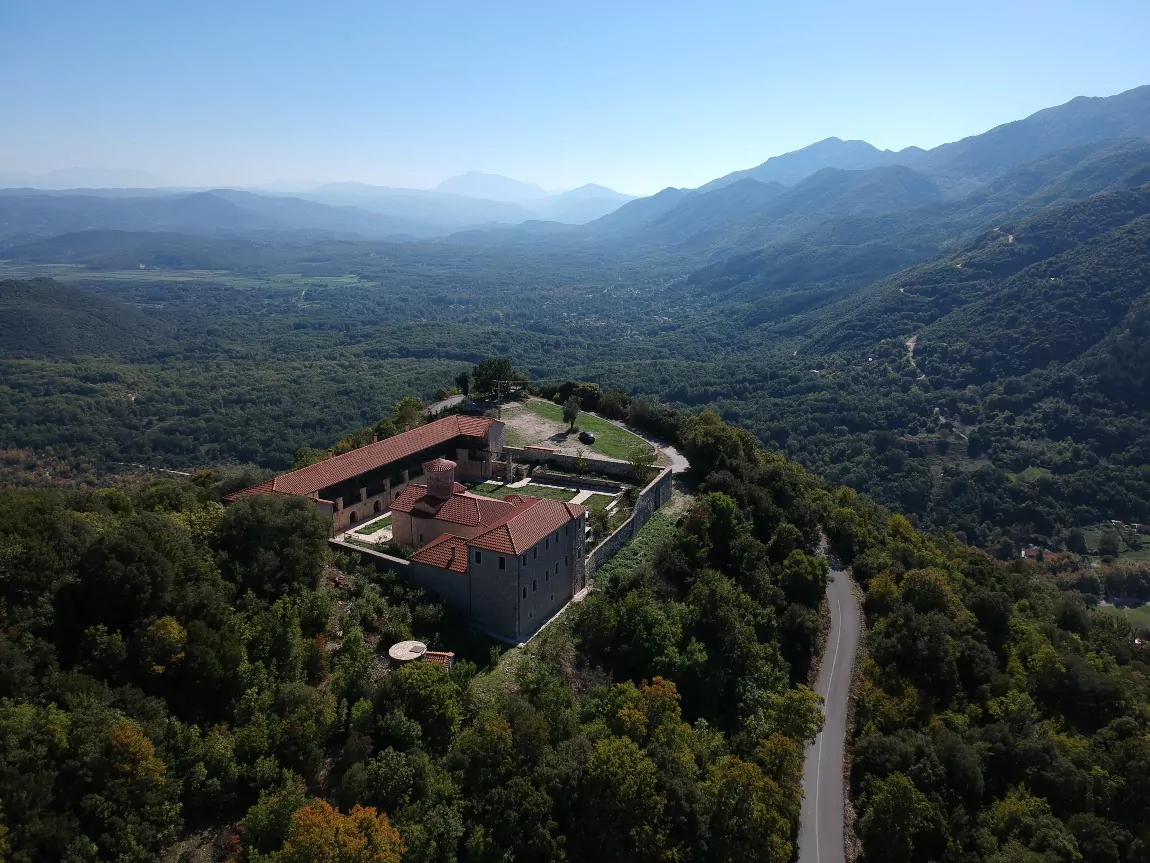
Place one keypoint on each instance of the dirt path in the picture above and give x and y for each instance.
(911, 344)
(669, 454)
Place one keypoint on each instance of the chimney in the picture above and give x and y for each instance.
(330, 453)
(407, 427)
(375, 437)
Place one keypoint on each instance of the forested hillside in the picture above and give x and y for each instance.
(998, 719)
(174, 672)
(966, 355)
(172, 669)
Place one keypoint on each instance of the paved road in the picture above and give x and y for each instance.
(821, 823)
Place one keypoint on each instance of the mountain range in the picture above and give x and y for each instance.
(959, 166)
(348, 210)
(999, 282)
(784, 196)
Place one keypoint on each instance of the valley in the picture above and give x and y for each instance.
(903, 397)
(1011, 405)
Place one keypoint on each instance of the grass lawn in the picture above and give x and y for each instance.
(1139, 617)
(490, 489)
(1140, 556)
(610, 440)
(373, 526)
(1031, 474)
(640, 549)
(598, 502)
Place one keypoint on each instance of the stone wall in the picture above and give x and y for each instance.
(657, 493)
(377, 559)
(564, 461)
(591, 483)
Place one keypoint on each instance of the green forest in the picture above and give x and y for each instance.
(174, 674)
(922, 376)
(1019, 353)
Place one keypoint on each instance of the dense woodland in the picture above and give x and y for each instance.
(999, 718)
(174, 674)
(1017, 414)
(171, 671)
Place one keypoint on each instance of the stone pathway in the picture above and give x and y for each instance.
(380, 536)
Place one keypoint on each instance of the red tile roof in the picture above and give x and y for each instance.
(446, 552)
(528, 525)
(375, 455)
(439, 657)
(266, 487)
(461, 508)
(439, 464)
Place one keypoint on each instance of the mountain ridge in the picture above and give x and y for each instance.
(978, 157)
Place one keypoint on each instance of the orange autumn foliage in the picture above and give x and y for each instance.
(320, 833)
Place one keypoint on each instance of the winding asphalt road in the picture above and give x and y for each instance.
(821, 823)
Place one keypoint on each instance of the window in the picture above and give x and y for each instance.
(525, 593)
(535, 553)
(525, 560)
(566, 530)
(502, 562)
(547, 543)
(534, 584)
(530, 615)
(556, 567)
(552, 597)
(565, 560)
(421, 537)
(479, 557)
(547, 575)
(557, 536)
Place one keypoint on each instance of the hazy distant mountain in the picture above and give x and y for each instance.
(452, 211)
(301, 214)
(580, 205)
(447, 212)
(748, 213)
(962, 166)
(223, 212)
(48, 215)
(1084, 120)
(791, 168)
(85, 178)
(476, 184)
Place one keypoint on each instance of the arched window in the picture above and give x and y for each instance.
(377, 506)
(351, 519)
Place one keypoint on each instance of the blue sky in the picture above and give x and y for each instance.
(634, 95)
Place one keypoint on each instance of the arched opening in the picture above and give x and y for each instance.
(351, 519)
(377, 506)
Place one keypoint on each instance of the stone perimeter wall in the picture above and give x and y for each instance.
(567, 462)
(657, 493)
(380, 560)
(648, 501)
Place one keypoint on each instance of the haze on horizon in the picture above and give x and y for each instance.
(636, 98)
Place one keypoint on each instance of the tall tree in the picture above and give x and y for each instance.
(571, 412)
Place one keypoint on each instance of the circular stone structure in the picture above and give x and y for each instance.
(440, 477)
(406, 651)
